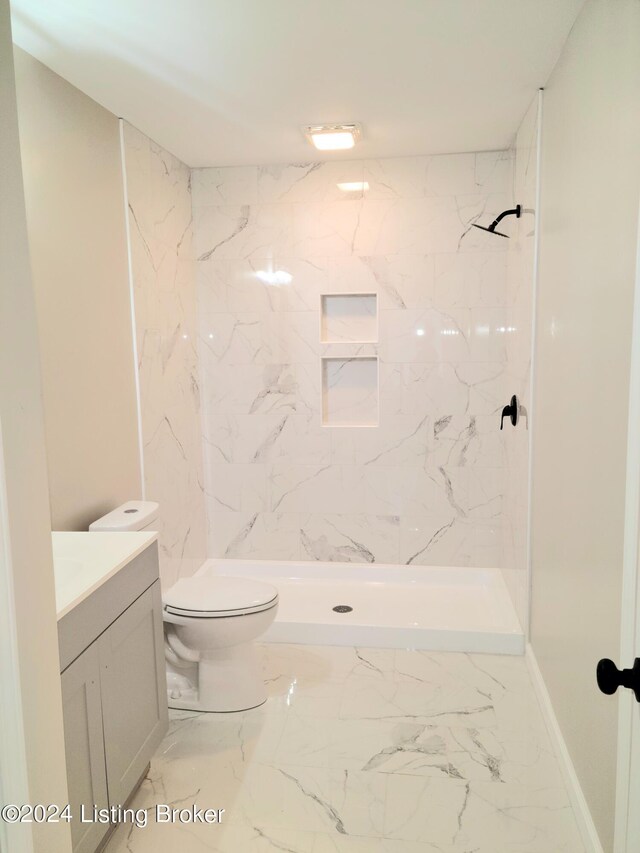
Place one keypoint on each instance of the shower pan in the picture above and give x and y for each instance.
(385, 606)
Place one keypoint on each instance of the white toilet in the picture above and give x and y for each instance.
(210, 623)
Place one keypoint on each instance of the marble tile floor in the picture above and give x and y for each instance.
(365, 750)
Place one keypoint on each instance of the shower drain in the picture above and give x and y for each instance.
(343, 608)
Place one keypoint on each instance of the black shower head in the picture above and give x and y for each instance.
(490, 230)
(516, 211)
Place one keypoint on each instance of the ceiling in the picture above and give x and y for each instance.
(230, 82)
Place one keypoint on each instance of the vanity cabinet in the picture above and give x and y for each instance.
(134, 693)
(84, 745)
(114, 695)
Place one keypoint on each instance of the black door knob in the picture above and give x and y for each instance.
(609, 677)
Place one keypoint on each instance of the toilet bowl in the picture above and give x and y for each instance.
(210, 624)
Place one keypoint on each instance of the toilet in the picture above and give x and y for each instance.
(210, 624)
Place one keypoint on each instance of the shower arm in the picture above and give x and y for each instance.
(517, 210)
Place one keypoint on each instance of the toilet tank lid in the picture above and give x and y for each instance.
(132, 515)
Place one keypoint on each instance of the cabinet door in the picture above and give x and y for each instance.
(134, 692)
(84, 747)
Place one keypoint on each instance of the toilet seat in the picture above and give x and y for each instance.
(219, 597)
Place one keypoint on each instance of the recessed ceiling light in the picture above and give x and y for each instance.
(333, 137)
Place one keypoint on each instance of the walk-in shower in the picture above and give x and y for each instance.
(335, 430)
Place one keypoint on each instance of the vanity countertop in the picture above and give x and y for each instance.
(82, 562)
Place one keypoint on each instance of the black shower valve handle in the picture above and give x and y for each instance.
(510, 411)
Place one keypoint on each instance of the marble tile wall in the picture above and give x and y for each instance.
(164, 287)
(519, 303)
(426, 486)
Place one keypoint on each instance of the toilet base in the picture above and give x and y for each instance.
(223, 681)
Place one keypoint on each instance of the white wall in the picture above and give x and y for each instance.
(29, 629)
(75, 213)
(164, 289)
(589, 220)
(425, 486)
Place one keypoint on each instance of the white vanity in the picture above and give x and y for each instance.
(113, 670)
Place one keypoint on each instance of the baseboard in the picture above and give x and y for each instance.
(581, 809)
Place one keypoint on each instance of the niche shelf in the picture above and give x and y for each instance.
(348, 318)
(350, 391)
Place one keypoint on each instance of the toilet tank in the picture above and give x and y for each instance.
(132, 515)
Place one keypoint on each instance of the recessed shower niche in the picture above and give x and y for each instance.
(349, 318)
(350, 391)
(349, 378)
